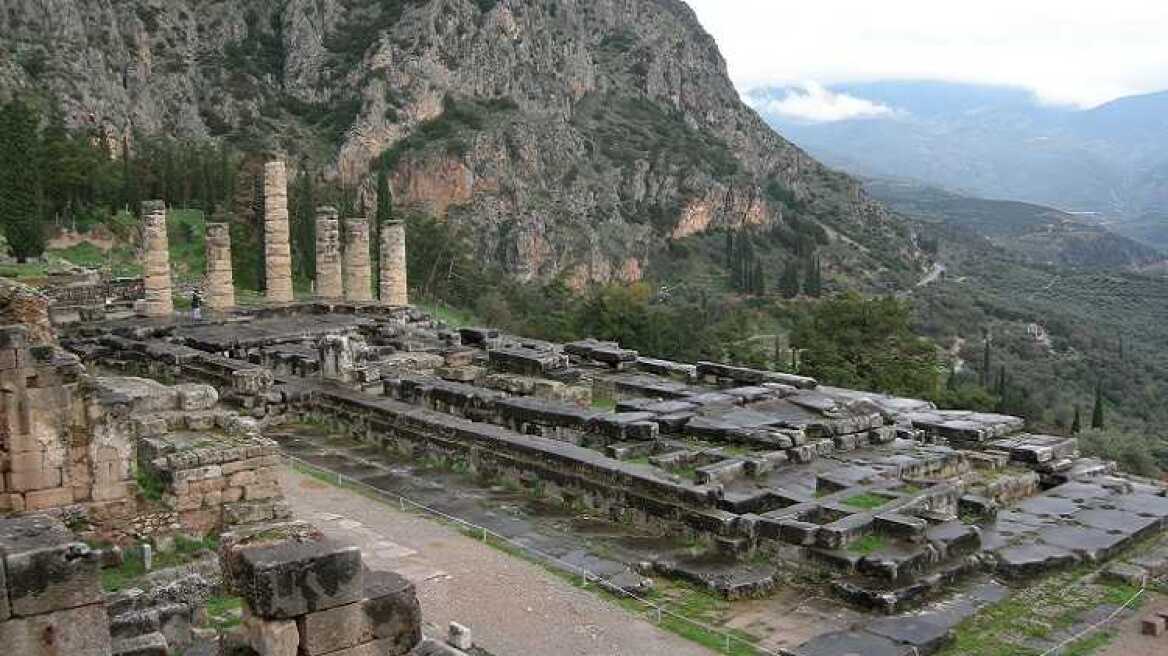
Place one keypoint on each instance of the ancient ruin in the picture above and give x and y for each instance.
(358, 275)
(393, 264)
(220, 285)
(156, 255)
(277, 246)
(732, 478)
(329, 283)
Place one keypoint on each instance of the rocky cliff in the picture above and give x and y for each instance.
(573, 138)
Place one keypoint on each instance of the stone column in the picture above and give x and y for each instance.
(329, 284)
(158, 301)
(358, 275)
(277, 250)
(393, 264)
(220, 284)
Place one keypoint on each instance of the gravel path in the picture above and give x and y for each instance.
(513, 607)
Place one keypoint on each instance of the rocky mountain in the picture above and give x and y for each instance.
(996, 142)
(1036, 233)
(574, 139)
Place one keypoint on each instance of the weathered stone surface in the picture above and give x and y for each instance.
(82, 631)
(46, 569)
(271, 637)
(277, 245)
(329, 284)
(283, 578)
(394, 289)
(148, 644)
(158, 300)
(390, 614)
(219, 282)
(358, 277)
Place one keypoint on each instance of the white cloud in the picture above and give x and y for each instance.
(1081, 52)
(812, 102)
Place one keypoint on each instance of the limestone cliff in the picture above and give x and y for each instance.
(573, 137)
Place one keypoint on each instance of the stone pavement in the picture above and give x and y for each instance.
(511, 605)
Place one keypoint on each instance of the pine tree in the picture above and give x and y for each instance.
(789, 281)
(1077, 424)
(20, 184)
(1097, 422)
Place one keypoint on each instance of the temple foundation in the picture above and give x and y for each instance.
(220, 285)
(277, 249)
(329, 284)
(158, 301)
(358, 274)
(393, 264)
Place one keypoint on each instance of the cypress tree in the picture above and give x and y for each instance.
(1097, 414)
(304, 225)
(1077, 424)
(20, 180)
(384, 212)
(789, 282)
(985, 362)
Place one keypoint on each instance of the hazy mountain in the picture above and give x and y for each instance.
(1039, 234)
(1000, 142)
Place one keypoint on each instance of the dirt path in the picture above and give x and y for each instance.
(513, 607)
(1129, 641)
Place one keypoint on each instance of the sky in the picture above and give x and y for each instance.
(1067, 52)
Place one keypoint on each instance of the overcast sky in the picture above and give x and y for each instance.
(1066, 51)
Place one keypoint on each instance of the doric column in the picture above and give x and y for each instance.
(393, 264)
(220, 284)
(159, 302)
(329, 284)
(358, 275)
(277, 250)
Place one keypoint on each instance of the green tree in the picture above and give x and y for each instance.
(867, 344)
(1097, 421)
(384, 213)
(789, 281)
(20, 184)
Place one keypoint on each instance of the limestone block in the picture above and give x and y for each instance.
(460, 637)
(355, 261)
(304, 573)
(148, 644)
(277, 250)
(82, 631)
(45, 499)
(271, 637)
(329, 281)
(219, 283)
(389, 614)
(393, 264)
(192, 396)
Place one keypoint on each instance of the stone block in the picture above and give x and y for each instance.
(271, 637)
(192, 396)
(459, 637)
(389, 614)
(82, 631)
(1153, 625)
(283, 577)
(148, 644)
(45, 568)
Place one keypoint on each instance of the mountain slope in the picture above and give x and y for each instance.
(1040, 235)
(571, 139)
(1002, 143)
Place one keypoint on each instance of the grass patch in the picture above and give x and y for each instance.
(149, 484)
(456, 317)
(133, 568)
(867, 544)
(224, 612)
(865, 500)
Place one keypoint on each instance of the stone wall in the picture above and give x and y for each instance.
(23, 305)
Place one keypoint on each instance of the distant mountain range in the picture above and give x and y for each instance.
(1109, 162)
(1036, 233)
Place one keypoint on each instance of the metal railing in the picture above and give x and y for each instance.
(727, 640)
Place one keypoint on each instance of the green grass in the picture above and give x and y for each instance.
(867, 544)
(224, 612)
(456, 317)
(865, 500)
(133, 568)
(27, 271)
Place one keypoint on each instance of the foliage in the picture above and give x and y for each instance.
(21, 146)
(866, 344)
(302, 214)
(1135, 453)
(458, 119)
